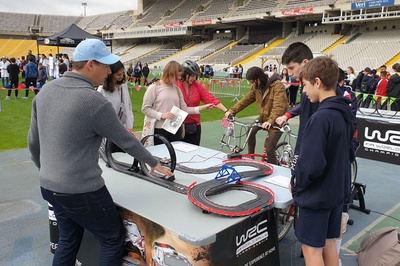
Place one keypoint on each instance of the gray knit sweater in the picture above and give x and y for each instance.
(69, 119)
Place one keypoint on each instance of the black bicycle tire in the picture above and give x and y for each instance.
(363, 112)
(171, 151)
(389, 116)
(281, 220)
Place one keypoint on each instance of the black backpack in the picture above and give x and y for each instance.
(366, 86)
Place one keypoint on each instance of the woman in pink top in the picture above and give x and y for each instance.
(160, 98)
(194, 93)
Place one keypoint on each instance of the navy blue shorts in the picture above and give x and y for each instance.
(314, 227)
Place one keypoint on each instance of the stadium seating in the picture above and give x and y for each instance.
(184, 12)
(155, 12)
(215, 9)
(258, 6)
(230, 55)
(52, 24)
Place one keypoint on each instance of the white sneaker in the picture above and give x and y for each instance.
(340, 262)
(7, 97)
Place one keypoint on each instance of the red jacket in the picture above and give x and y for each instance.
(382, 87)
(193, 96)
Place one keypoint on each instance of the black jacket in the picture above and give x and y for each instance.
(393, 88)
(322, 169)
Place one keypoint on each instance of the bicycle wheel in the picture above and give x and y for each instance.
(367, 106)
(282, 155)
(284, 221)
(387, 110)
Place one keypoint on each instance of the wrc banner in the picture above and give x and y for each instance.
(379, 139)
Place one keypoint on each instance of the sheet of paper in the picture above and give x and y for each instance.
(279, 180)
(185, 147)
(173, 125)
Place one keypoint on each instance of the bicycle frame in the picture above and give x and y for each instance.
(285, 156)
(231, 139)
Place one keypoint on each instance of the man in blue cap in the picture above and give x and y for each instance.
(69, 120)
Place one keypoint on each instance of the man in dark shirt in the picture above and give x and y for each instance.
(13, 70)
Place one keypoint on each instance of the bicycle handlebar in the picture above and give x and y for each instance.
(283, 128)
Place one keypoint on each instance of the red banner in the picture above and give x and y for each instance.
(298, 11)
(173, 25)
(201, 22)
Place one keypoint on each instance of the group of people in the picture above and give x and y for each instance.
(236, 71)
(381, 83)
(138, 73)
(70, 176)
(36, 72)
(291, 85)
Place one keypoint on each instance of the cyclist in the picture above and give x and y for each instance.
(193, 93)
(270, 96)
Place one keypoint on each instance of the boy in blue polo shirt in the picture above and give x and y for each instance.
(324, 156)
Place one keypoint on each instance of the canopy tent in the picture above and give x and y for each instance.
(70, 37)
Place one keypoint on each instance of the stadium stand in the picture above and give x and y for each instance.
(103, 21)
(184, 12)
(155, 12)
(214, 9)
(212, 48)
(11, 23)
(122, 22)
(52, 24)
(366, 49)
(321, 41)
(84, 22)
(188, 53)
(230, 55)
(260, 6)
(138, 51)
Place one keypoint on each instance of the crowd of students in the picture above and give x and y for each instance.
(34, 71)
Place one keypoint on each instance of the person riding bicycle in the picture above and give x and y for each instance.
(193, 93)
(270, 96)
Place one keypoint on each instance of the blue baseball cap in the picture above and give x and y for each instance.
(94, 49)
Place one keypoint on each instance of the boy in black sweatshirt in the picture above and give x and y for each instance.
(325, 153)
(13, 70)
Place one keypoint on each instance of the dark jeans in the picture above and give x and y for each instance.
(4, 82)
(193, 138)
(13, 85)
(293, 94)
(30, 82)
(273, 138)
(93, 211)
